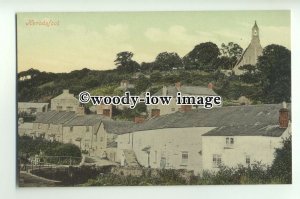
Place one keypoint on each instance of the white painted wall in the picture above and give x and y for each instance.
(165, 109)
(258, 148)
(166, 143)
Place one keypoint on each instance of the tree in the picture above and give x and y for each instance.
(251, 74)
(142, 84)
(147, 66)
(203, 57)
(275, 74)
(125, 63)
(282, 164)
(167, 61)
(230, 55)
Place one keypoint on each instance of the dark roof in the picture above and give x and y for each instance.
(189, 90)
(238, 120)
(54, 117)
(117, 127)
(31, 105)
(247, 130)
(112, 144)
(84, 120)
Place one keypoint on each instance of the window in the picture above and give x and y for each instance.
(248, 160)
(229, 141)
(69, 108)
(184, 158)
(155, 157)
(87, 129)
(106, 112)
(59, 108)
(101, 139)
(71, 128)
(217, 160)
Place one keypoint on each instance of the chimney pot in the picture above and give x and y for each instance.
(283, 117)
(283, 104)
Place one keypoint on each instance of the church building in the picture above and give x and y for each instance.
(251, 53)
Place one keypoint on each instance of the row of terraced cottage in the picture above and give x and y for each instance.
(196, 139)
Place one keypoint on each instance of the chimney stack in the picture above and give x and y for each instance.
(65, 91)
(283, 116)
(186, 108)
(80, 110)
(210, 86)
(164, 90)
(178, 85)
(139, 119)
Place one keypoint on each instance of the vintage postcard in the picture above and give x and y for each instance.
(154, 98)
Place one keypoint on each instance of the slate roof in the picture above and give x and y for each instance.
(65, 96)
(25, 125)
(31, 105)
(231, 120)
(118, 127)
(84, 120)
(247, 130)
(187, 90)
(54, 117)
(112, 144)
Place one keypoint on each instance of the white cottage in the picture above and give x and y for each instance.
(49, 125)
(157, 110)
(246, 144)
(83, 131)
(65, 102)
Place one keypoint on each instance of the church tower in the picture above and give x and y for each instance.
(251, 53)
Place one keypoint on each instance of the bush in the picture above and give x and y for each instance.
(32, 147)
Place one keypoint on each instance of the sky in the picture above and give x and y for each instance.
(74, 41)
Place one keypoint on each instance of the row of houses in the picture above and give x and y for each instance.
(94, 134)
(202, 139)
(195, 140)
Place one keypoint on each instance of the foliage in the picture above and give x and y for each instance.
(26, 116)
(275, 70)
(125, 63)
(252, 174)
(167, 61)
(30, 146)
(163, 177)
(142, 84)
(255, 173)
(230, 55)
(202, 57)
(282, 164)
(251, 75)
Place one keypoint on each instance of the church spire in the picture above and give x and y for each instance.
(255, 31)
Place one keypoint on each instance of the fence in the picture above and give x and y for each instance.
(39, 162)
